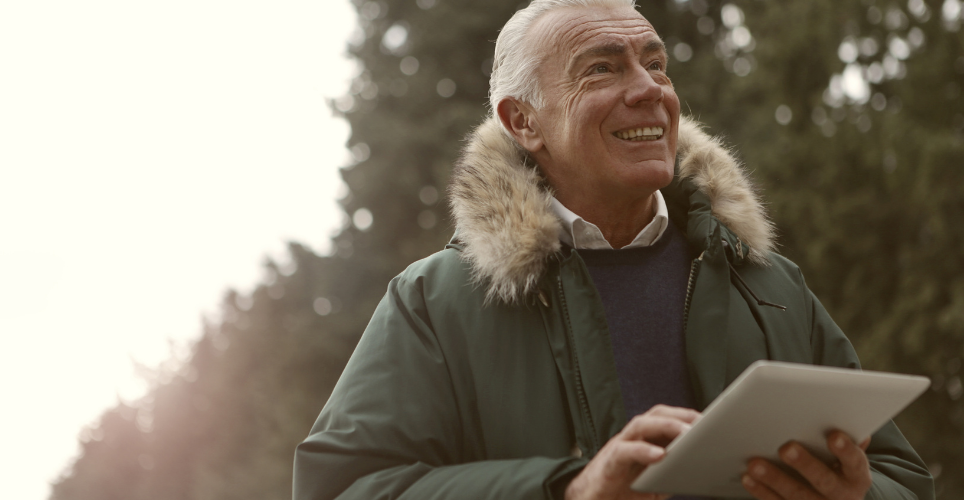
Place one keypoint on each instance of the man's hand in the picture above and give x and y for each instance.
(609, 474)
(847, 480)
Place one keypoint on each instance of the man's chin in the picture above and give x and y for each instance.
(651, 174)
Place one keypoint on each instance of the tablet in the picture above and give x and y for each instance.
(769, 404)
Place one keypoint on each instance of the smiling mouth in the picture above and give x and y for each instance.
(640, 134)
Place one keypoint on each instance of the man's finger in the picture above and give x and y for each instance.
(628, 458)
(821, 477)
(654, 428)
(687, 415)
(759, 490)
(780, 482)
(853, 460)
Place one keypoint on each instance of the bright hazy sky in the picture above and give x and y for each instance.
(152, 153)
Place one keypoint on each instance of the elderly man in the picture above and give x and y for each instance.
(612, 271)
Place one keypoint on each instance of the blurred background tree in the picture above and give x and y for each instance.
(849, 114)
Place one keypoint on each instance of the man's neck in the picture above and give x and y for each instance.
(619, 222)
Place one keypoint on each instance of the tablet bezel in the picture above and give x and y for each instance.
(769, 404)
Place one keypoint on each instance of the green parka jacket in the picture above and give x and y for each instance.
(487, 372)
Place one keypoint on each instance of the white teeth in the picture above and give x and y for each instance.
(644, 134)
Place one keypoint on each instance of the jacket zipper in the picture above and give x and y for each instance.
(690, 285)
(580, 390)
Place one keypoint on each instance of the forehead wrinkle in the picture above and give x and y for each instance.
(568, 32)
(548, 33)
(611, 28)
(561, 34)
(611, 35)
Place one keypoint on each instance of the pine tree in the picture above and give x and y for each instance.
(865, 185)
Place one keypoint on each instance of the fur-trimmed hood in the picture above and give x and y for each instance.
(508, 230)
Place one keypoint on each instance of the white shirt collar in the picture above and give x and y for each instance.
(582, 234)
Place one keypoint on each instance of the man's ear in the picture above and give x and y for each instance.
(519, 119)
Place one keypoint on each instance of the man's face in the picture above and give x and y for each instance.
(604, 82)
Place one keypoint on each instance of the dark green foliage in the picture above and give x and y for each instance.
(869, 201)
(872, 213)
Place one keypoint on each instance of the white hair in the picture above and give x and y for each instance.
(516, 58)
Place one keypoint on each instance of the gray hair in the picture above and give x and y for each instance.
(515, 62)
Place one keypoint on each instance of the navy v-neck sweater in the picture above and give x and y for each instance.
(643, 291)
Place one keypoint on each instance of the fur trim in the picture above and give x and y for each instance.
(508, 230)
(720, 176)
(503, 216)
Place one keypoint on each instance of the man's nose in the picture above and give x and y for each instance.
(642, 88)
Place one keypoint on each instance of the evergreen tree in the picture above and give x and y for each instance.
(864, 181)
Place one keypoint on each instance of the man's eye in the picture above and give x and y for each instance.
(601, 68)
(656, 66)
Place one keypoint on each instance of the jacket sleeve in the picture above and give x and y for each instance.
(898, 473)
(392, 428)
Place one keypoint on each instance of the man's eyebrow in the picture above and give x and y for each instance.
(654, 45)
(615, 49)
(610, 49)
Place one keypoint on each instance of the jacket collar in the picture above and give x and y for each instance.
(507, 229)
